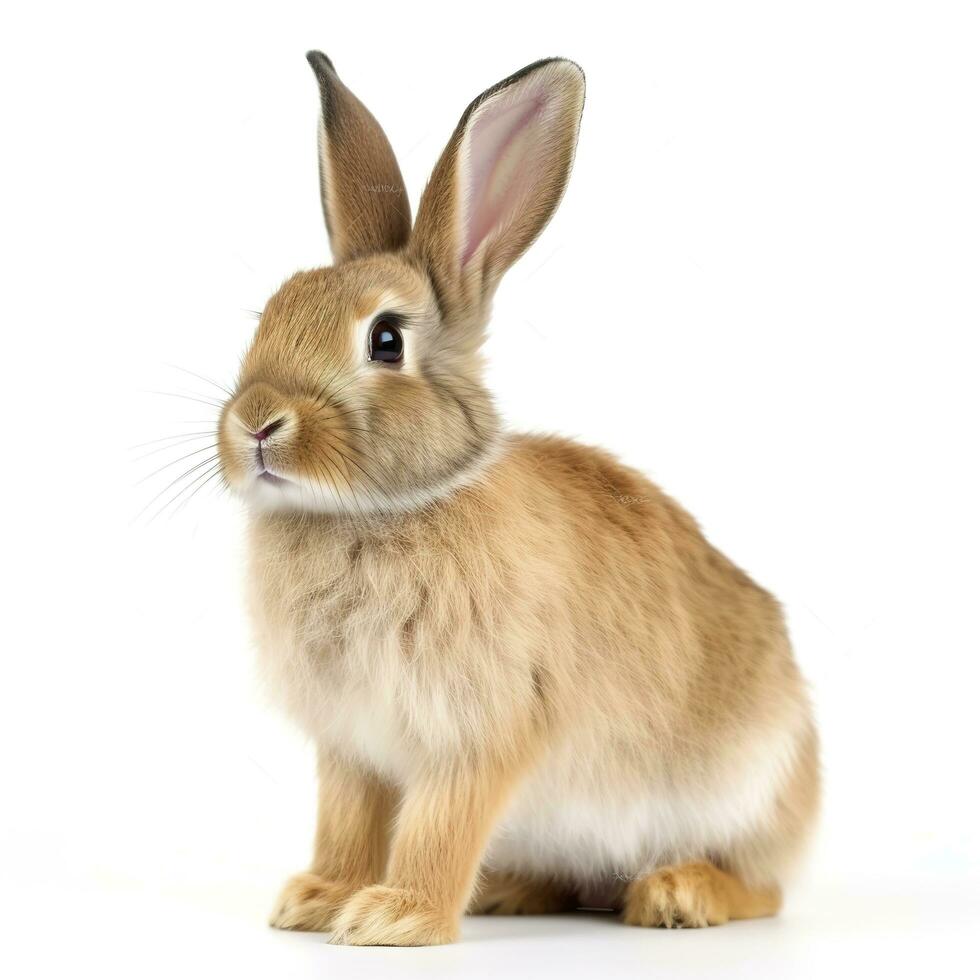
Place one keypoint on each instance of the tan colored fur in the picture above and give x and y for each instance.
(509, 650)
(695, 895)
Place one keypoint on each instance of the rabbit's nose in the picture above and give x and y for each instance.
(264, 433)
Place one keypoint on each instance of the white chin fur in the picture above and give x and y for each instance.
(323, 498)
(289, 495)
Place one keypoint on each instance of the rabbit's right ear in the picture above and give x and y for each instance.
(498, 182)
(361, 188)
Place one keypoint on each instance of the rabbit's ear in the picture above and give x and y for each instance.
(361, 187)
(499, 181)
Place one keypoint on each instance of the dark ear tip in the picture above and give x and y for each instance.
(320, 63)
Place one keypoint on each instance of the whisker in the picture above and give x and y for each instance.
(344, 387)
(191, 398)
(383, 491)
(196, 491)
(339, 415)
(333, 377)
(211, 470)
(320, 467)
(174, 462)
(349, 428)
(171, 445)
(350, 486)
(176, 480)
(202, 377)
(179, 435)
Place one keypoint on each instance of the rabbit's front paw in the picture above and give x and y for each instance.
(309, 903)
(382, 916)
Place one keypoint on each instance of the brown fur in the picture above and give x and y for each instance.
(483, 630)
(364, 200)
(500, 893)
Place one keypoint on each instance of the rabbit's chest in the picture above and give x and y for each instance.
(351, 648)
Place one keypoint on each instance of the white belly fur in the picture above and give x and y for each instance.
(566, 823)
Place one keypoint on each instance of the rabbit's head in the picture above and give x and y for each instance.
(362, 390)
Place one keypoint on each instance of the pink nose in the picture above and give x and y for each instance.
(268, 430)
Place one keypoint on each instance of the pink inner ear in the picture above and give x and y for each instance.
(501, 156)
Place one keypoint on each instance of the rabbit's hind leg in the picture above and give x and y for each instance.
(694, 895)
(503, 893)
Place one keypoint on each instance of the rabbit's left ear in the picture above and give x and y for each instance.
(363, 194)
(498, 182)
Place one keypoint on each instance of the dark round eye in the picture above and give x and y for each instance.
(386, 341)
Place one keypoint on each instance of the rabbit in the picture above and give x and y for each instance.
(530, 681)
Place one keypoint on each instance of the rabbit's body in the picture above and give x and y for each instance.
(562, 610)
(512, 652)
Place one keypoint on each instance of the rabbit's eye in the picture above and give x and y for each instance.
(386, 341)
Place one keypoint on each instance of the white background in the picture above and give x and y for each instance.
(761, 289)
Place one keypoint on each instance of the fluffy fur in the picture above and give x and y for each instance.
(531, 681)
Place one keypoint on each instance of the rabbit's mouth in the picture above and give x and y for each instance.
(277, 481)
